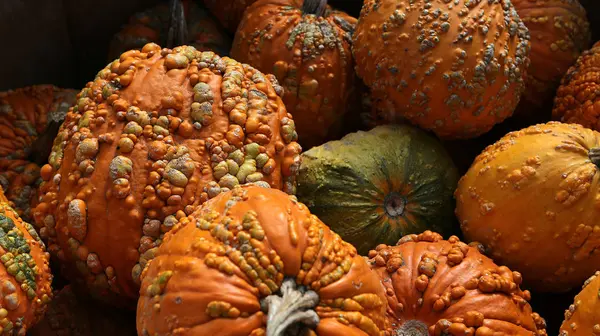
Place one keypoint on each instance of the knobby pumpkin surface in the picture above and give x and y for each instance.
(453, 67)
(583, 316)
(375, 187)
(446, 287)
(576, 99)
(220, 272)
(152, 26)
(532, 200)
(155, 134)
(25, 277)
(307, 46)
(29, 120)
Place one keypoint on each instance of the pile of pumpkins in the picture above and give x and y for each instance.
(281, 167)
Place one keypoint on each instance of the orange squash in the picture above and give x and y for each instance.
(157, 132)
(446, 287)
(254, 261)
(583, 316)
(455, 68)
(532, 200)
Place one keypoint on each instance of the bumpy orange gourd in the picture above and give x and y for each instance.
(453, 67)
(152, 25)
(306, 45)
(576, 99)
(155, 134)
(583, 316)
(446, 287)
(29, 120)
(228, 12)
(532, 199)
(254, 248)
(559, 32)
(25, 277)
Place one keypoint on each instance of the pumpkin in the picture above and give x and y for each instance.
(306, 45)
(583, 316)
(153, 25)
(576, 100)
(446, 287)
(157, 132)
(228, 12)
(455, 68)
(534, 194)
(377, 186)
(254, 261)
(25, 277)
(560, 32)
(72, 315)
(29, 120)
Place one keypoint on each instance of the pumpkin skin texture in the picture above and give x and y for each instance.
(583, 316)
(152, 25)
(375, 187)
(27, 114)
(155, 134)
(545, 180)
(228, 12)
(576, 100)
(446, 287)
(439, 65)
(25, 274)
(309, 52)
(215, 268)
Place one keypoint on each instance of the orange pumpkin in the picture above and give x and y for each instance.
(158, 132)
(228, 12)
(532, 200)
(25, 278)
(560, 32)
(446, 287)
(254, 261)
(306, 45)
(29, 120)
(455, 69)
(576, 99)
(583, 316)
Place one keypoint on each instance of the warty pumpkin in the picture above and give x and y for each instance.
(576, 99)
(157, 132)
(228, 12)
(254, 261)
(532, 200)
(154, 25)
(559, 32)
(25, 277)
(29, 120)
(453, 67)
(446, 287)
(583, 316)
(374, 187)
(306, 45)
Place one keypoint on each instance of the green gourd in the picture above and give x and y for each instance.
(375, 187)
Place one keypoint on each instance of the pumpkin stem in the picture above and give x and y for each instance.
(177, 26)
(315, 7)
(594, 155)
(394, 204)
(291, 313)
(412, 328)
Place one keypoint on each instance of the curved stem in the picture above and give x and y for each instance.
(394, 204)
(594, 155)
(177, 24)
(291, 313)
(412, 328)
(315, 7)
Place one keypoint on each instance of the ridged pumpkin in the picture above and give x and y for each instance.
(29, 120)
(576, 99)
(446, 287)
(306, 45)
(583, 316)
(453, 67)
(532, 200)
(228, 12)
(25, 277)
(375, 187)
(72, 315)
(152, 26)
(155, 134)
(253, 248)
(560, 32)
